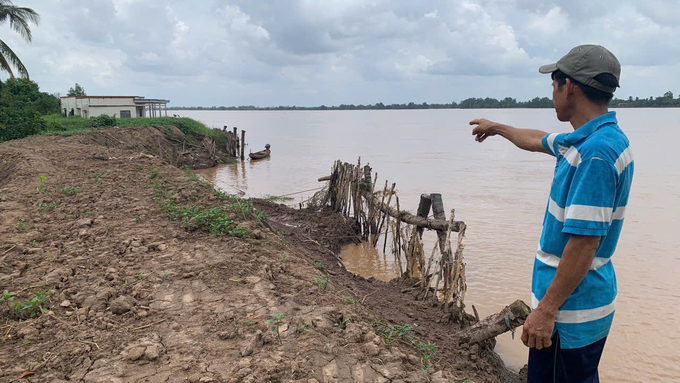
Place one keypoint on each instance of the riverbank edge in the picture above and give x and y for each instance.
(286, 269)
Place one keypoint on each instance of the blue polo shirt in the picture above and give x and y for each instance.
(588, 196)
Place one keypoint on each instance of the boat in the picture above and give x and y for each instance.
(261, 154)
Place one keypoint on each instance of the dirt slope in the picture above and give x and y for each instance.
(133, 296)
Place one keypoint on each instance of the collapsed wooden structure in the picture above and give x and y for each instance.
(439, 278)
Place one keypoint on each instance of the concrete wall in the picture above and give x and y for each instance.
(93, 107)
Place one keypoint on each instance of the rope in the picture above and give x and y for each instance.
(304, 191)
(507, 323)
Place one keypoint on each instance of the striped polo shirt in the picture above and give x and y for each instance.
(588, 196)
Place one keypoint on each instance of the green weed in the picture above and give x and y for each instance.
(96, 175)
(7, 297)
(351, 301)
(320, 266)
(323, 281)
(276, 321)
(21, 226)
(32, 307)
(341, 323)
(138, 219)
(47, 206)
(154, 174)
(274, 198)
(197, 179)
(70, 191)
(42, 186)
(393, 333)
(222, 196)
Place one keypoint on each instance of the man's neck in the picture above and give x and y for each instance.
(585, 112)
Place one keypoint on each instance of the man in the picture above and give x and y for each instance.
(573, 284)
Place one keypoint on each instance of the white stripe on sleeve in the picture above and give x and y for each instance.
(551, 141)
(624, 160)
(588, 213)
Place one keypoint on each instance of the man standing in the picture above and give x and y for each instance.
(573, 290)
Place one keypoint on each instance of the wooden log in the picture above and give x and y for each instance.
(495, 324)
(404, 216)
(326, 178)
(243, 144)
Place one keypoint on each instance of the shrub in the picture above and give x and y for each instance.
(103, 121)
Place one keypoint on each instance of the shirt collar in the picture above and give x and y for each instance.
(590, 127)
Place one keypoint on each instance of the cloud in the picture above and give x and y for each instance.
(309, 52)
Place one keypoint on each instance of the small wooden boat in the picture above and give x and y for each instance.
(261, 154)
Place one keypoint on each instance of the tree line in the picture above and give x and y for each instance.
(667, 100)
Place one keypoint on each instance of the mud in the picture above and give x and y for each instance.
(135, 297)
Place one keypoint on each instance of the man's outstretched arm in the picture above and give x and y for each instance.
(527, 139)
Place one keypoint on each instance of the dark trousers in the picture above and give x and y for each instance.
(561, 365)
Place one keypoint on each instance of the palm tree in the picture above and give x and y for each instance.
(19, 19)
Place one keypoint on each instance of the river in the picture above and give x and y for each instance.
(501, 193)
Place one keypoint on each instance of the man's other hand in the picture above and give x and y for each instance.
(538, 329)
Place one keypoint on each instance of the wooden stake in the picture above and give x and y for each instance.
(243, 144)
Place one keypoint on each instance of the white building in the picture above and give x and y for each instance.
(116, 106)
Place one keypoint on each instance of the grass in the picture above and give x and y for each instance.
(276, 198)
(68, 126)
(351, 301)
(276, 321)
(70, 191)
(32, 307)
(320, 266)
(323, 281)
(401, 333)
(216, 220)
(47, 206)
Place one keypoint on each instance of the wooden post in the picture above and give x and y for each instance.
(423, 210)
(438, 210)
(243, 144)
(237, 146)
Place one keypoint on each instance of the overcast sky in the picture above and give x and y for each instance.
(313, 52)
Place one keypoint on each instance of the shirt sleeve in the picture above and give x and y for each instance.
(551, 142)
(591, 197)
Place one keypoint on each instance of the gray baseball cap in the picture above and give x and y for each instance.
(585, 62)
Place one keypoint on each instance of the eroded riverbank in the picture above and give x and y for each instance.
(137, 293)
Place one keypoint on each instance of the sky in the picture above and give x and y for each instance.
(330, 52)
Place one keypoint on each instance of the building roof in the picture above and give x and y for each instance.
(101, 97)
(136, 99)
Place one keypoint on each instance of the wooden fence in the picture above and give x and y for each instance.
(377, 214)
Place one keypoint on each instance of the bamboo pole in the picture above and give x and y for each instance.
(243, 144)
(382, 222)
(398, 241)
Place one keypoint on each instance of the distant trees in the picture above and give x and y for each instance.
(19, 19)
(667, 100)
(21, 106)
(76, 91)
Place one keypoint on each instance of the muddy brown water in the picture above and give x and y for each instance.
(501, 193)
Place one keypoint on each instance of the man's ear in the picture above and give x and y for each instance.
(571, 87)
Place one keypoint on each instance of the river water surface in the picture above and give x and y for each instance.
(501, 193)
